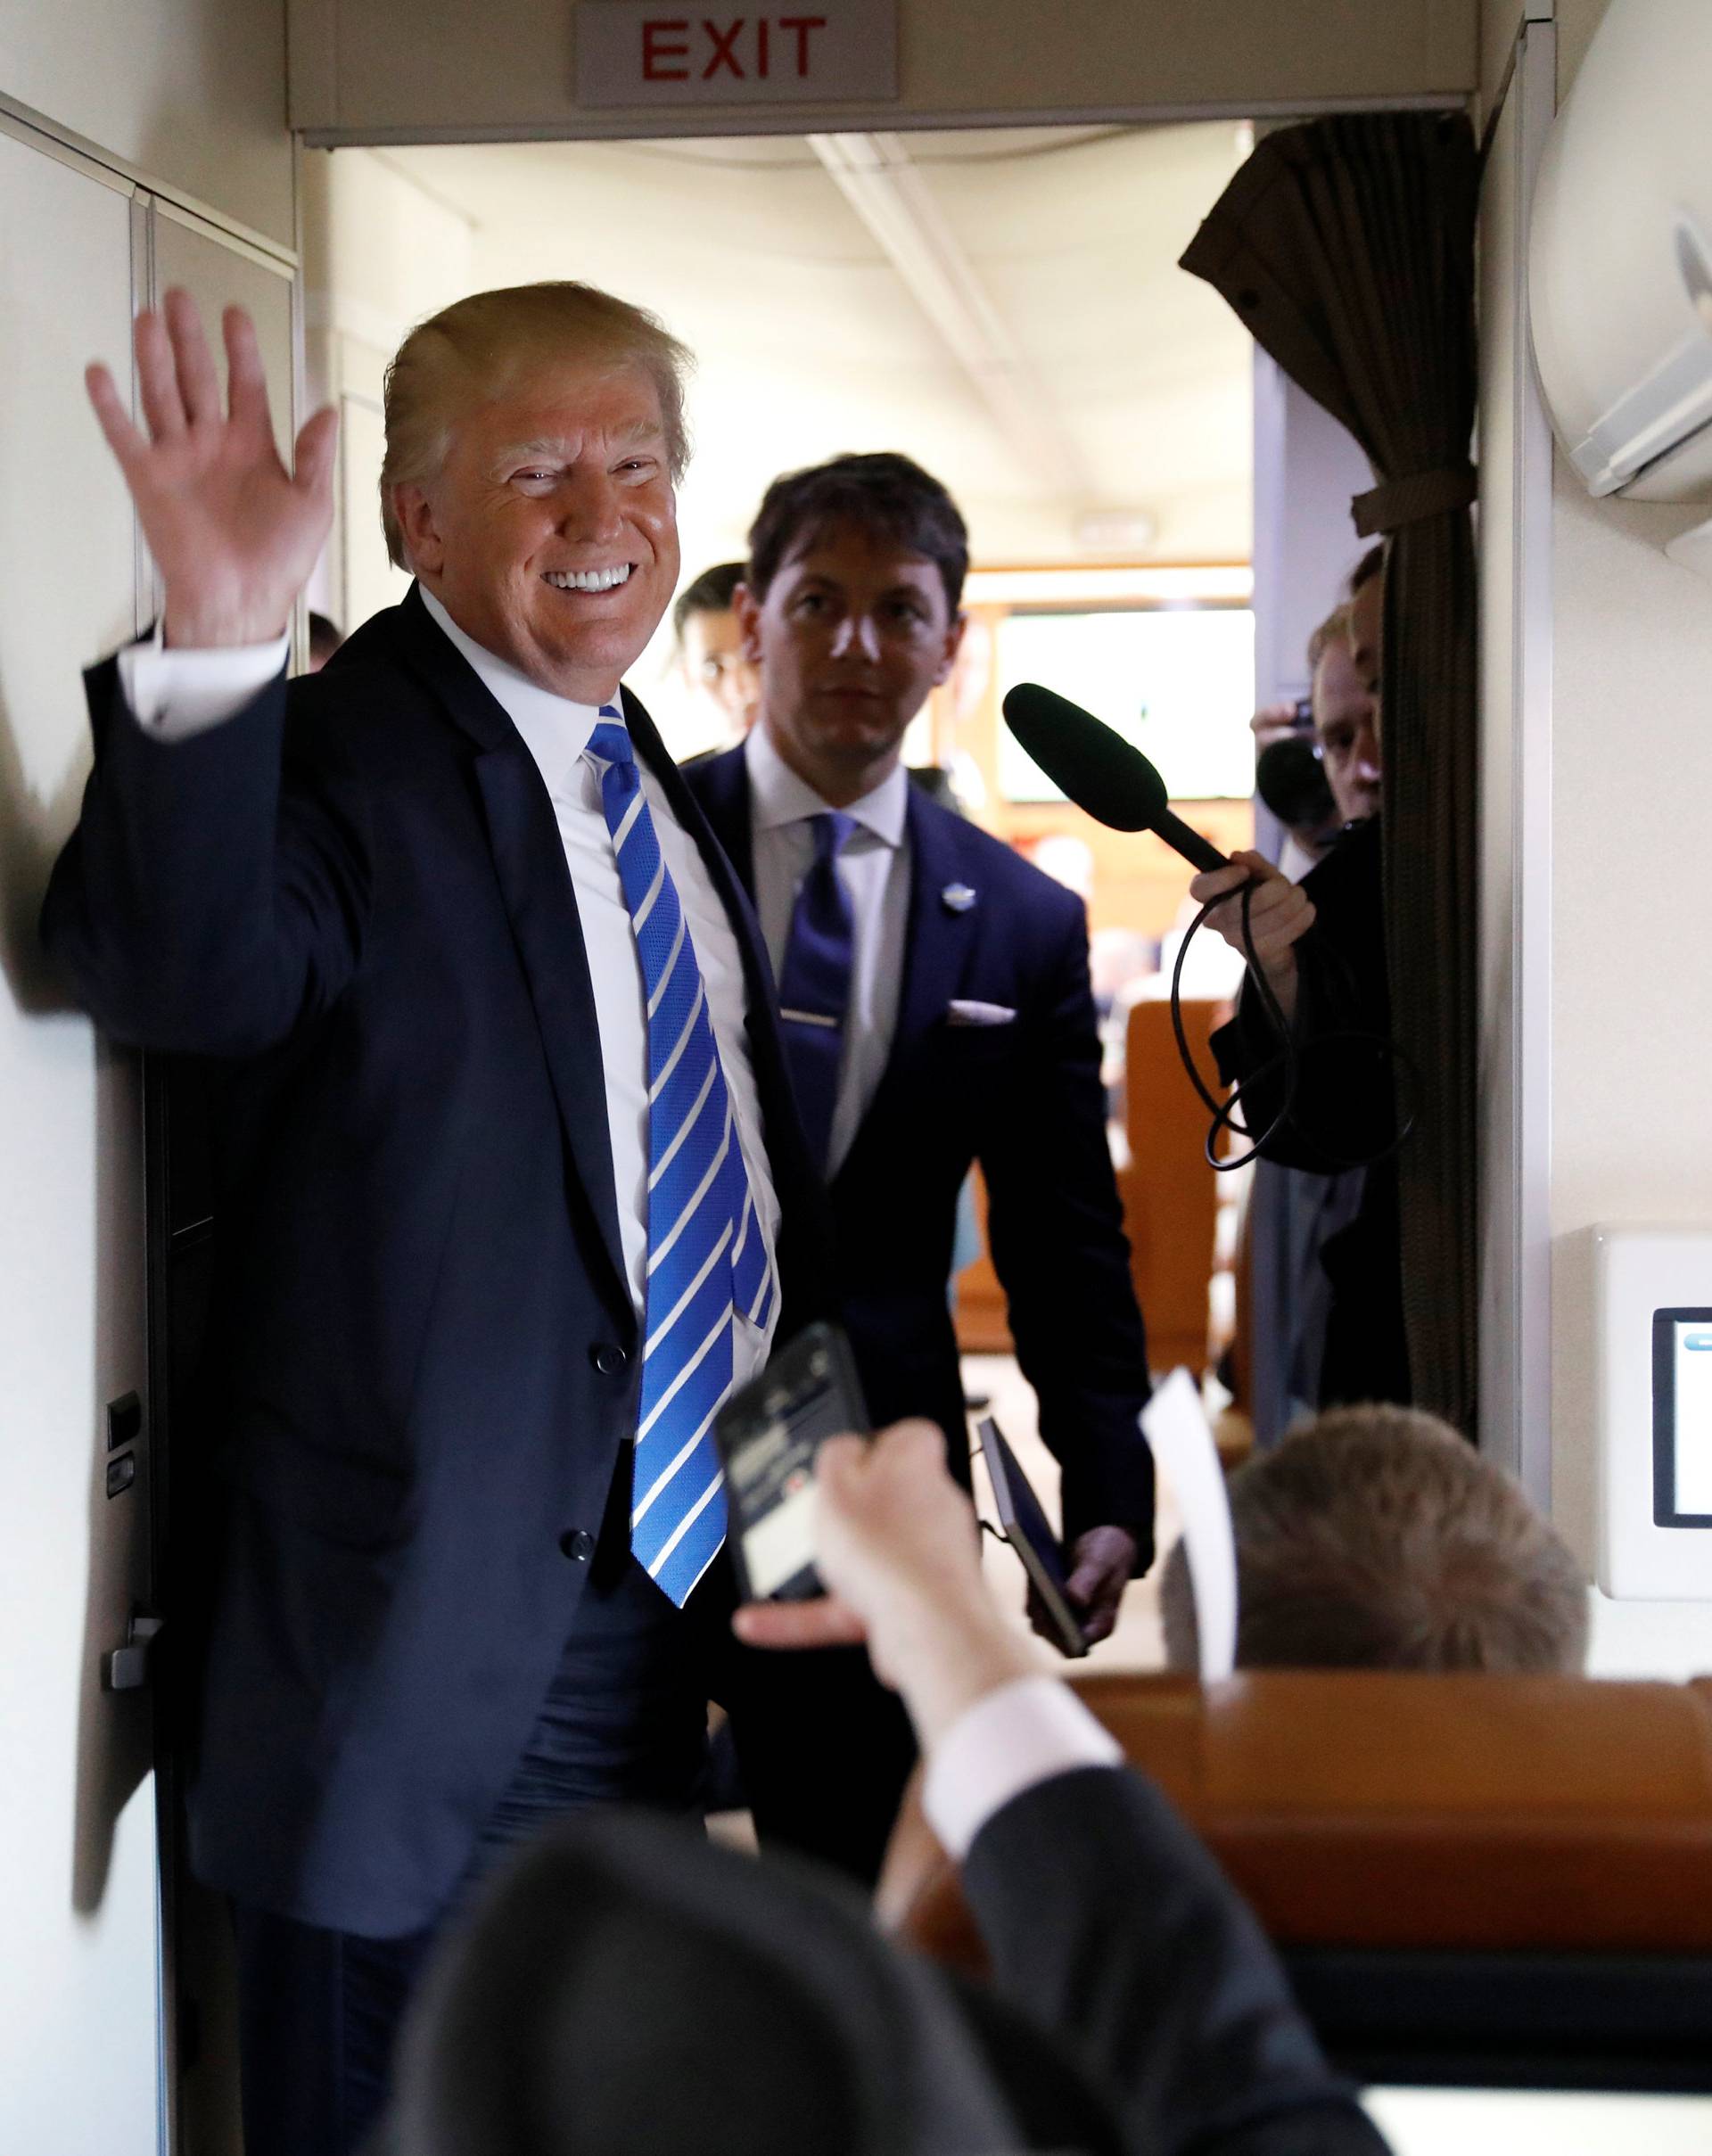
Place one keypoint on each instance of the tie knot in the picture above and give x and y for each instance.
(831, 828)
(611, 741)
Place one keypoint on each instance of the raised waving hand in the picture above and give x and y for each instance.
(234, 533)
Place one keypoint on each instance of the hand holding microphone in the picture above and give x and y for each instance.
(1259, 912)
(1110, 778)
(1256, 907)
(1280, 914)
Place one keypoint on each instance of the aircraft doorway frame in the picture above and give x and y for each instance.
(1516, 1253)
(1514, 1298)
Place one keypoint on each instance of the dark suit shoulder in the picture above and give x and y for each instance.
(1348, 892)
(994, 867)
(715, 772)
(1351, 875)
(1106, 1916)
(354, 707)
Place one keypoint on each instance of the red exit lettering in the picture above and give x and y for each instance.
(722, 48)
(657, 51)
(804, 26)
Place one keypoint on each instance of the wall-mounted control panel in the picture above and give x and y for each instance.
(1653, 1289)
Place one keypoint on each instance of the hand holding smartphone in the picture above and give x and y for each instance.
(768, 1434)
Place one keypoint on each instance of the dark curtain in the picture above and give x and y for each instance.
(1347, 246)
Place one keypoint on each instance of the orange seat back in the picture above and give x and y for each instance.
(1170, 1193)
(1364, 1809)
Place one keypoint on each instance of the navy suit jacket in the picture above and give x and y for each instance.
(1025, 1100)
(1111, 1930)
(423, 1353)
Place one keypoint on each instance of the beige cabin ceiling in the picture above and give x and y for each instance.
(1124, 385)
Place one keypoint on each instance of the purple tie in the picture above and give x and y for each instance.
(814, 984)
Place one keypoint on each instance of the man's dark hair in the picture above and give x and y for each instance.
(1377, 1538)
(1369, 567)
(325, 637)
(711, 593)
(883, 495)
(626, 1985)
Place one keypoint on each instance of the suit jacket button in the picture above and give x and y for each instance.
(578, 1544)
(608, 1358)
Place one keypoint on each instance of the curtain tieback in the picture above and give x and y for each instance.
(1405, 501)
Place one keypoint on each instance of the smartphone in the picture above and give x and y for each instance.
(1029, 1532)
(768, 1434)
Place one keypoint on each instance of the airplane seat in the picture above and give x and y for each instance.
(1478, 1880)
(1170, 1193)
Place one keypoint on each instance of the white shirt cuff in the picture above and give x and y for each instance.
(1027, 1731)
(173, 694)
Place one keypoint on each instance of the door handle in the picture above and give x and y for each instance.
(127, 1668)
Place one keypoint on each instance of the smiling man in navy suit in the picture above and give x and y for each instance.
(512, 1191)
(935, 998)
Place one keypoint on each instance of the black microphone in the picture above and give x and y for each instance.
(1099, 771)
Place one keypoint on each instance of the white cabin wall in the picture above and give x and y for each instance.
(1630, 755)
(1307, 469)
(379, 254)
(76, 1856)
(1632, 772)
(137, 111)
(190, 92)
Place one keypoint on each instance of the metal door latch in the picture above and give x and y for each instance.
(127, 1667)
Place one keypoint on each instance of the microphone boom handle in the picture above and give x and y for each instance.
(1182, 838)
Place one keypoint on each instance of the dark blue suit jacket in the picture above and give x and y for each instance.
(1025, 1100)
(1111, 1928)
(423, 1353)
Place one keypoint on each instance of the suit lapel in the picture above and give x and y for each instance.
(535, 885)
(722, 787)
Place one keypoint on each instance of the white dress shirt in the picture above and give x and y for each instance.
(1026, 1733)
(175, 694)
(874, 869)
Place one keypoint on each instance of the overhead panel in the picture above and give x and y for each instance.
(440, 70)
(877, 176)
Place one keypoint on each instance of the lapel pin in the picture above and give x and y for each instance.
(957, 898)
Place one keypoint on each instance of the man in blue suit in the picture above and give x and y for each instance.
(511, 1189)
(934, 997)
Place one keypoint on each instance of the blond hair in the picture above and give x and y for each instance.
(1333, 629)
(473, 352)
(1377, 1538)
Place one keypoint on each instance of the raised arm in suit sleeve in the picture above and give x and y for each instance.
(1109, 1923)
(1056, 1227)
(213, 894)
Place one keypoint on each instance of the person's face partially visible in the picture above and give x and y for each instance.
(852, 635)
(1346, 719)
(550, 535)
(1366, 622)
(714, 666)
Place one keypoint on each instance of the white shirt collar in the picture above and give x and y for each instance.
(555, 730)
(781, 797)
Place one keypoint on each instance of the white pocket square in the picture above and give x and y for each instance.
(958, 1013)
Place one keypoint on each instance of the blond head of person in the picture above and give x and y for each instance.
(1375, 1537)
(534, 440)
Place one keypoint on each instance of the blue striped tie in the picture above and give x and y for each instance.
(705, 1253)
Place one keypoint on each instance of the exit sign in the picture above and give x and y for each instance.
(638, 53)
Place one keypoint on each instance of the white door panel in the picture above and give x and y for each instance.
(217, 275)
(78, 1882)
(201, 2069)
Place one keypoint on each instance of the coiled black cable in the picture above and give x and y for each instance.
(1290, 1057)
